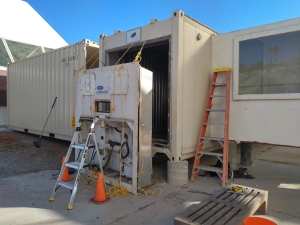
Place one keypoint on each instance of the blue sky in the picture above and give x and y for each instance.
(75, 20)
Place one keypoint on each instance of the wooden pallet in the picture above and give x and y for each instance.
(225, 208)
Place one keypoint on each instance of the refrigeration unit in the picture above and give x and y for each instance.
(121, 98)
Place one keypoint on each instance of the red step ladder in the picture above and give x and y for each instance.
(223, 157)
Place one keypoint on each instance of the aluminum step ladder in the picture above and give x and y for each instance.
(223, 157)
(81, 162)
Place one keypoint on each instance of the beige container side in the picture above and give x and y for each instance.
(197, 64)
(176, 81)
(33, 85)
(190, 69)
(273, 121)
(118, 41)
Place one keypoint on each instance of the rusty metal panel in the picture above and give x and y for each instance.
(33, 85)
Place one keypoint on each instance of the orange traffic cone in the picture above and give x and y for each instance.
(65, 177)
(100, 196)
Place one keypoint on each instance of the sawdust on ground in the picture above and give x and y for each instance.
(18, 155)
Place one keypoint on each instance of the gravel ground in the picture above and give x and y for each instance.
(19, 156)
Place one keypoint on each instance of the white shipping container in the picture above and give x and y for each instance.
(178, 52)
(33, 84)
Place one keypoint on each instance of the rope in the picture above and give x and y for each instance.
(157, 191)
(116, 191)
(86, 181)
(91, 101)
(84, 66)
(122, 134)
(138, 57)
(113, 101)
(110, 41)
(146, 193)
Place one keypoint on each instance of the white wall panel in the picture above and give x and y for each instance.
(273, 121)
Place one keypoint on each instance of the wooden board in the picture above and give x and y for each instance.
(224, 208)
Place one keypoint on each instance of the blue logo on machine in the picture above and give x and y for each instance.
(101, 91)
(133, 35)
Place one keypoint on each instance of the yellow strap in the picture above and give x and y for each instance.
(222, 69)
(138, 57)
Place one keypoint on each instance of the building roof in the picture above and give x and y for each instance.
(20, 22)
(24, 33)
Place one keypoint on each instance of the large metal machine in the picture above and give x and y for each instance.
(121, 97)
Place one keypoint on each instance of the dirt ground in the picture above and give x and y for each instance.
(18, 155)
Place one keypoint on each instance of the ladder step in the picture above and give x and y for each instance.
(75, 165)
(216, 110)
(210, 168)
(213, 96)
(82, 146)
(211, 153)
(217, 84)
(213, 138)
(88, 118)
(217, 124)
(66, 185)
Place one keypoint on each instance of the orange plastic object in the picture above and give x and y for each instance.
(258, 221)
(65, 177)
(100, 196)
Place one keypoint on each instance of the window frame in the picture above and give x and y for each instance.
(235, 84)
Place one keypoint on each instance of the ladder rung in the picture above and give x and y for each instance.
(87, 118)
(217, 124)
(82, 146)
(66, 185)
(223, 69)
(213, 96)
(213, 138)
(216, 110)
(210, 168)
(75, 165)
(211, 153)
(219, 83)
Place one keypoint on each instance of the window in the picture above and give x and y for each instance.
(4, 58)
(21, 51)
(268, 66)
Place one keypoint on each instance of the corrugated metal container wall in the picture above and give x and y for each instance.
(159, 66)
(34, 83)
(178, 52)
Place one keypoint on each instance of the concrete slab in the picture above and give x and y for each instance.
(276, 154)
(25, 199)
